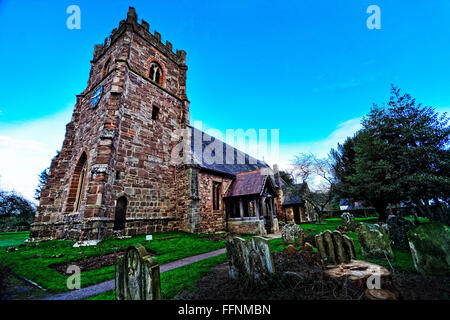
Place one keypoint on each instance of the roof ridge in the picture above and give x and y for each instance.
(249, 164)
(251, 172)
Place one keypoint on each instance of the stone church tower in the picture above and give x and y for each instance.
(116, 152)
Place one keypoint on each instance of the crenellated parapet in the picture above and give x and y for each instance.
(143, 29)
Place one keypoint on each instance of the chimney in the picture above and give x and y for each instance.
(276, 175)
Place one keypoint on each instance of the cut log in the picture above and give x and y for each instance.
(379, 294)
(357, 272)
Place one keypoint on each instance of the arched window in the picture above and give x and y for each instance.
(216, 195)
(77, 187)
(120, 213)
(155, 72)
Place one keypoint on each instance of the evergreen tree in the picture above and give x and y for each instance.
(400, 154)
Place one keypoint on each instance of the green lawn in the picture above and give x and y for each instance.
(167, 247)
(12, 239)
(177, 280)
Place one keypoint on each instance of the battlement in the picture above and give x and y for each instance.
(143, 29)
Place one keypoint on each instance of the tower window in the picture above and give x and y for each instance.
(155, 72)
(76, 191)
(81, 187)
(216, 195)
(155, 112)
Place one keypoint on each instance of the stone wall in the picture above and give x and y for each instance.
(250, 226)
(306, 212)
(87, 132)
(279, 208)
(288, 213)
(212, 220)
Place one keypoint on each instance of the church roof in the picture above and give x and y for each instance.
(293, 194)
(199, 138)
(249, 183)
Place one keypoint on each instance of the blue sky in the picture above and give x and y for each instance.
(311, 69)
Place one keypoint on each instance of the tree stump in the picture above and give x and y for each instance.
(379, 294)
(356, 274)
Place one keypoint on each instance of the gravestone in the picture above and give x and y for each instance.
(334, 247)
(137, 276)
(397, 228)
(249, 259)
(374, 241)
(430, 248)
(292, 234)
(348, 221)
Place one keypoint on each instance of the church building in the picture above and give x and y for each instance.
(114, 175)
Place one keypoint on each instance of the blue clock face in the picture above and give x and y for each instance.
(97, 96)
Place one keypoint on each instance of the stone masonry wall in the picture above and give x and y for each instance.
(54, 217)
(252, 226)
(212, 220)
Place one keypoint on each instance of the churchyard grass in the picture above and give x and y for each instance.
(178, 280)
(108, 295)
(11, 239)
(185, 278)
(167, 247)
(34, 261)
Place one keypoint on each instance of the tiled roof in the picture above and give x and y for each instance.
(233, 168)
(247, 183)
(293, 194)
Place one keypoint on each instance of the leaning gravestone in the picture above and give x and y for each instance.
(374, 241)
(430, 248)
(292, 234)
(397, 228)
(250, 258)
(137, 276)
(348, 221)
(334, 247)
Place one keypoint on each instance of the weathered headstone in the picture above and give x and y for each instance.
(397, 228)
(334, 247)
(137, 276)
(348, 221)
(292, 234)
(250, 258)
(374, 241)
(430, 248)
